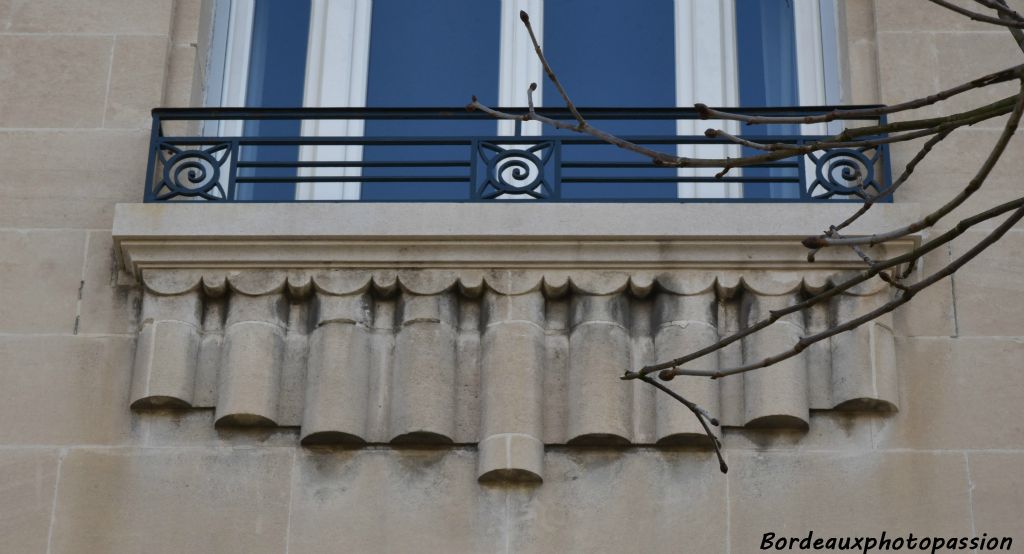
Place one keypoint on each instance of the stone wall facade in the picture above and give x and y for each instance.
(170, 379)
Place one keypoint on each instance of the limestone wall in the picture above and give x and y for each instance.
(82, 471)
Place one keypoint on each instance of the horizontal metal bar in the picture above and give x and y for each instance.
(356, 178)
(460, 112)
(572, 140)
(446, 163)
(651, 165)
(680, 179)
(632, 200)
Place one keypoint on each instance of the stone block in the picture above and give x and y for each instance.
(40, 272)
(997, 482)
(950, 167)
(989, 289)
(173, 500)
(69, 179)
(910, 72)
(64, 389)
(864, 87)
(90, 16)
(956, 393)
(859, 19)
(931, 312)
(412, 500)
(899, 15)
(106, 307)
(180, 88)
(637, 501)
(53, 81)
(136, 81)
(26, 499)
(965, 56)
(187, 14)
(844, 494)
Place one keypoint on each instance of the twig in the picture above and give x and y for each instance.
(547, 69)
(700, 414)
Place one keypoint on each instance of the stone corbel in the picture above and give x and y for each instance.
(504, 326)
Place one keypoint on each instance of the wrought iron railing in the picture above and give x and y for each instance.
(437, 154)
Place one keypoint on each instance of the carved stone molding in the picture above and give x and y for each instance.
(511, 338)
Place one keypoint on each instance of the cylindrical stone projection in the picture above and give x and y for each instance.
(775, 396)
(167, 349)
(338, 371)
(685, 324)
(864, 359)
(248, 385)
(423, 375)
(512, 388)
(600, 406)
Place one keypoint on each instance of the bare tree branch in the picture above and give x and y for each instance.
(1002, 8)
(1009, 22)
(1001, 76)
(702, 416)
(835, 290)
(907, 294)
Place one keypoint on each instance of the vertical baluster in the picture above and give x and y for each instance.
(236, 151)
(154, 154)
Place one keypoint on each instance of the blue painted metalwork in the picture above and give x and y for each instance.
(188, 167)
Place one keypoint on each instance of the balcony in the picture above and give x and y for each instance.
(480, 319)
(453, 155)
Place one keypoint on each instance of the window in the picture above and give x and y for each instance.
(354, 53)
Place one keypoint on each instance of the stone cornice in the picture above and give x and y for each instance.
(488, 236)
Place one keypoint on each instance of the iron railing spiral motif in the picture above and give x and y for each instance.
(192, 172)
(515, 171)
(844, 172)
